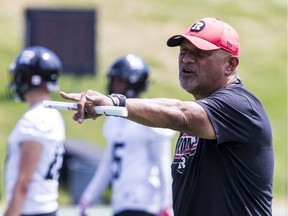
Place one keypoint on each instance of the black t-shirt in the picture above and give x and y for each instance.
(232, 175)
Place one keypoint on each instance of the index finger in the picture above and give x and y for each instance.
(70, 96)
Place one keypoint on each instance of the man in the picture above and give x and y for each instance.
(224, 160)
(137, 158)
(35, 145)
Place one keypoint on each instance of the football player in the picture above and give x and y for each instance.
(35, 145)
(137, 158)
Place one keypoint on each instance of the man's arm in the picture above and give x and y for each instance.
(30, 156)
(99, 182)
(183, 116)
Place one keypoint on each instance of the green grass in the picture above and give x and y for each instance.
(142, 28)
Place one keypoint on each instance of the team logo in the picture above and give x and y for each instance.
(198, 26)
(229, 44)
(186, 147)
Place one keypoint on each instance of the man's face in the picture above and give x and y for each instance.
(119, 85)
(201, 72)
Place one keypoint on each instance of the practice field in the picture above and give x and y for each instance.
(95, 211)
(73, 211)
(142, 28)
(106, 211)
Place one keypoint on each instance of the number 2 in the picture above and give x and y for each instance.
(56, 164)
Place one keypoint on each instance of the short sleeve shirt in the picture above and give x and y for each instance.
(233, 174)
(45, 126)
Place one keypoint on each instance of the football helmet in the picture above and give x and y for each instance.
(133, 70)
(35, 67)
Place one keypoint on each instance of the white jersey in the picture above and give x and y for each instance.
(138, 161)
(44, 126)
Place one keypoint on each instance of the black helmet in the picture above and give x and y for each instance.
(34, 67)
(132, 69)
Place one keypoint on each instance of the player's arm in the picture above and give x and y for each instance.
(98, 183)
(163, 162)
(183, 116)
(30, 155)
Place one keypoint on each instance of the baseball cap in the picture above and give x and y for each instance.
(209, 34)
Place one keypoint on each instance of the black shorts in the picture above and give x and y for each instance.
(134, 213)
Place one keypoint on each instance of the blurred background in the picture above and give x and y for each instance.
(88, 35)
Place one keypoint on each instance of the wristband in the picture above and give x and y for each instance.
(121, 99)
(115, 103)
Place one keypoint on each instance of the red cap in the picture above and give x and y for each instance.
(209, 34)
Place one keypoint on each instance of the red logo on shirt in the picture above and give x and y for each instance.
(185, 148)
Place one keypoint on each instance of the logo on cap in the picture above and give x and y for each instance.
(198, 26)
(229, 44)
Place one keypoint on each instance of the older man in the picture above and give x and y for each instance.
(224, 160)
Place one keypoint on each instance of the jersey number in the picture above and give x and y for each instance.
(117, 160)
(56, 164)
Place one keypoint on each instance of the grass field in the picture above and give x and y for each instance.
(142, 28)
(104, 210)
